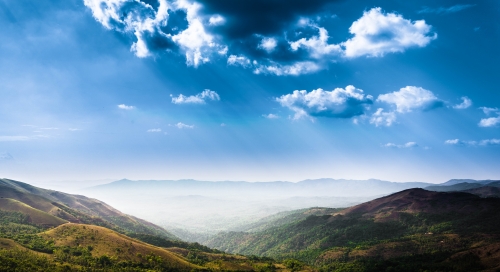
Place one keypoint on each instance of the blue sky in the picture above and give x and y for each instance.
(257, 90)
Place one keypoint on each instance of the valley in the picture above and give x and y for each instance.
(408, 230)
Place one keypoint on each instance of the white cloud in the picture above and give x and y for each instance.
(223, 50)
(130, 16)
(460, 142)
(13, 138)
(196, 99)
(154, 130)
(125, 107)
(381, 118)
(443, 10)
(222, 125)
(182, 126)
(275, 68)
(407, 145)
(216, 20)
(339, 103)
(295, 69)
(466, 102)
(376, 34)
(486, 142)
(195, 41)
(239, 60)
(411, 98)
(270, 116)
(6, 156)
(490, 142)
(268, 44)
(488, 111)
(489, 122)
(74, 129)
(317, 46)
(141, 20)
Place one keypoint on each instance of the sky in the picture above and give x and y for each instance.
(258, 90)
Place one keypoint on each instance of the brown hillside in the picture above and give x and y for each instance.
(107, 242)
(420, 200)
(35, 216)
(37, 202)
(50, 201)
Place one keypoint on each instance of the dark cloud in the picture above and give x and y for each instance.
(158, 41)
(176, 23)
(282, 53)
(264, 17)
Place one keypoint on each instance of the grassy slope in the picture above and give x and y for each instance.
(286, 217)
(107, 242)
(36, 216)
(396, 226)
(57, 204)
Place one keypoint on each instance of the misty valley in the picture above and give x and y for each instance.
(312, 225)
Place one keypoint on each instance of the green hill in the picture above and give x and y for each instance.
(77, 208)
(412, 230)
(35, 240)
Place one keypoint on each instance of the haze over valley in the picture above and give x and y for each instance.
(194, 209)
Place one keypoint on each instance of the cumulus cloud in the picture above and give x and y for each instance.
(151, 28)
(488, 111)
(317, 46)
(466, 102)
(283, 39)
(182, 126)
(445, 10)
(407, 145)
(381, 118)
(339, 103)
(6, 156)
(126, 107)
(200, 98)
(489, 122)
(270, 116)
(268, 44)
(154, 130)
(376, 34)
(411, 98)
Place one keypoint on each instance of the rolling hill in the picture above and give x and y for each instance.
(100, 241)
(410, 230)
(36, 216)
(77, 208)
(35, 240)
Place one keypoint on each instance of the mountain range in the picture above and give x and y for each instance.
(409, 230)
